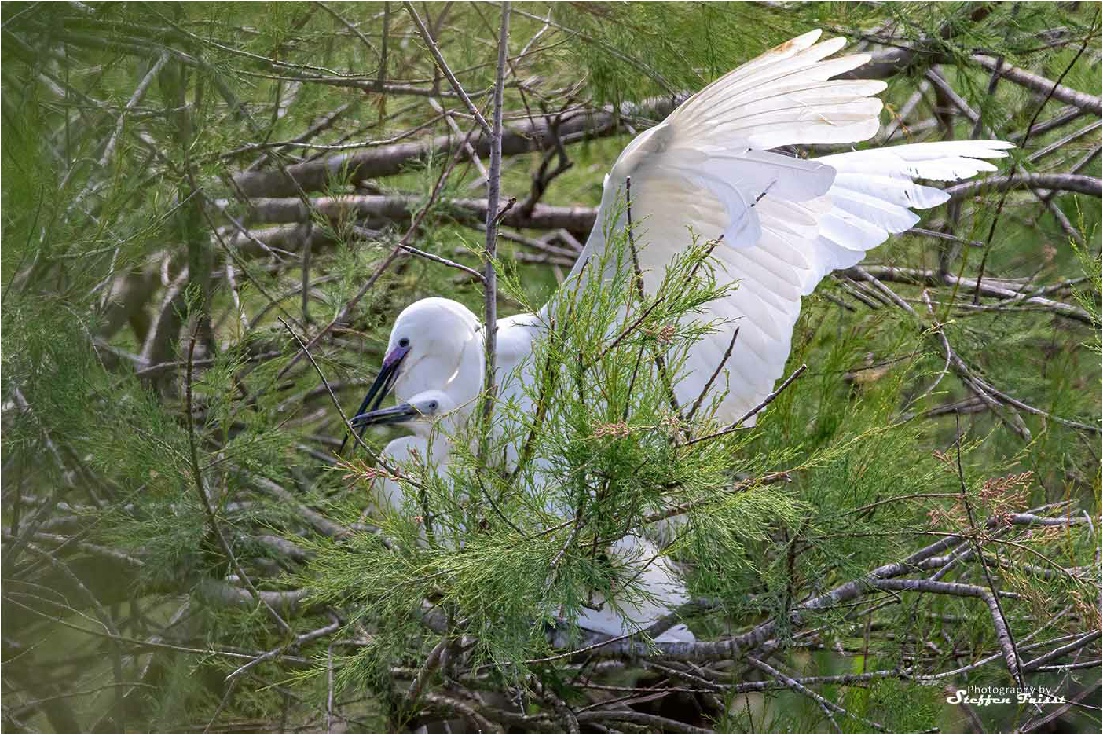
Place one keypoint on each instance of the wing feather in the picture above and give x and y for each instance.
(657, 588)
(787, 222)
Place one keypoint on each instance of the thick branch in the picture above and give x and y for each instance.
(1077, 183)
(378, 210)
(522, 137)
(1041, 85)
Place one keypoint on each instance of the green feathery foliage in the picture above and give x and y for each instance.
(189, 190)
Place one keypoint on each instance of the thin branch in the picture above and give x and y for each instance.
(654, 723)
(333, 397)
(828, 706)
(456, 86)
(988, 287)
(204, 498)
(493, 218)
(293, 645)
(754, 411)
(472, 154)
(368, 235)
(712, 378)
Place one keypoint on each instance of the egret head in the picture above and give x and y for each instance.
(424, 351)
(425, 409)
(427, 341)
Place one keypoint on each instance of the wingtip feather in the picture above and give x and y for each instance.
(796, 45)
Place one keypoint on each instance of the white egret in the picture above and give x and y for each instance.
(656, 587)
(431, 352)
(707, 169)
(434, 418)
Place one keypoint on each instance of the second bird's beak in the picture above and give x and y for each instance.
(380, 416)
(384, 382)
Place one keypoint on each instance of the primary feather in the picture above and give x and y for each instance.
(786, 222)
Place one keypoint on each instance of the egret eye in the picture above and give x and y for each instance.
(433, 405)
(403, 342)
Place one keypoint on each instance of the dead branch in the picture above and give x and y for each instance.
(1041, 85)
(1076, 183)
(378, 211)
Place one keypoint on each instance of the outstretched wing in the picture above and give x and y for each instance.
(787, 222)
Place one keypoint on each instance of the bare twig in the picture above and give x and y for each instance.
(712, 378)
(999, 619)
(472, 154)
(368, 235)
(447, 71)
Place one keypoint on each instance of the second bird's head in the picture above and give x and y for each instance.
(422, 410)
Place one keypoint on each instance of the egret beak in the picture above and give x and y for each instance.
(380, 416)
(384, 382)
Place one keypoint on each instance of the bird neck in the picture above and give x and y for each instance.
(467, 383)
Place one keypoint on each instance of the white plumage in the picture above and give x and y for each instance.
(434, 418)
(786, 222)
(709, 170)
(400, 453)
(657, 588)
